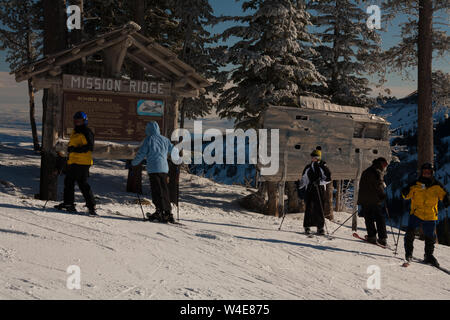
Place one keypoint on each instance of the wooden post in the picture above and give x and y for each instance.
(328, 204)
(356, 185)
(49, 173)
(272, 201)
(282, 185)
(170, 124)
(338, 200)
(293, 201)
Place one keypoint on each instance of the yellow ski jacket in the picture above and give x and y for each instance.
(81, 145)
(425, 197)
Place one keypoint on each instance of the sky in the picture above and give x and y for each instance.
(14, 95)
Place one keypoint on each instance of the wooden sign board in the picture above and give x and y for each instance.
(113, 117)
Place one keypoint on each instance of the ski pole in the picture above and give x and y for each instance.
(178, 193)
(389, 218)
(344, 222)
(398, 237)
(284, 214)
(139, 198)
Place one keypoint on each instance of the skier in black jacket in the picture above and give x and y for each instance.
(371, 196)
(315, 177)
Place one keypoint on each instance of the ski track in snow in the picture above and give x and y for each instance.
(221, 252)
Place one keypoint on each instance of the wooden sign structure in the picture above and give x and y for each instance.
(118, 110)
(117, 107)
(350, 138)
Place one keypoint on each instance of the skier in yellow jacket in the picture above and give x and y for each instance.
(425, 193)
(80, 147)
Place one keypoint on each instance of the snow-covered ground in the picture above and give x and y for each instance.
(221, 252)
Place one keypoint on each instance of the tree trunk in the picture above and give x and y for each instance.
(328, 202)
(339, 196)
(55, 36)
(273, 201)
(49, 171)
(139, 17)
(425, 149)
(134, 182)
(36, 145)
(293, 205)
(74, 37)
(171, 123)
(182, 114)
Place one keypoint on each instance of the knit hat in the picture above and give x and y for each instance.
(317, 153)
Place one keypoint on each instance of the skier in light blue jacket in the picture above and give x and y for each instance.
(156, 148)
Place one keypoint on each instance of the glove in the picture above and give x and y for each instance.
(70, 149)
(405, 191)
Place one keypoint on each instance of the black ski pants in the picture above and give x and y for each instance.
(375, 221)
(160, 191)
(79, 174)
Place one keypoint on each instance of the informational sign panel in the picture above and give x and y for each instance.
(112, 117)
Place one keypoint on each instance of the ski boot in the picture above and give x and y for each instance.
(321, 232)
(168, 217)
(307, 231)
(66, 207)
(92, 212)
(383, 242)
(372, 240)
(155, 216)
(429, 249)
(430, 259)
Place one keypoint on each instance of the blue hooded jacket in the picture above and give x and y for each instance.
(155, 148)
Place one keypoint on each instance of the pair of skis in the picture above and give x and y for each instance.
(75, 211)
(406, 263)
(356, 235)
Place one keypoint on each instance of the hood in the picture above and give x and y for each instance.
(152, 129)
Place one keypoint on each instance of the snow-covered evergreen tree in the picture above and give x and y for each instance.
(349, 50)
(270, 60)
(422, 39)
(403, 56)
(198, 51)
(20, 36)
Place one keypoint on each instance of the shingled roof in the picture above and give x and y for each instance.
(124, 41)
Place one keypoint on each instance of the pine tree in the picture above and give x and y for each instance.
(20, 37)
(421, 38)
(155, 17)
(270, 60)
(349, 51)
(198, 51)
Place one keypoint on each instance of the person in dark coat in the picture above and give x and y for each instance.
(315, 177)
(371, 196)
(155, 149)
(80, 147)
